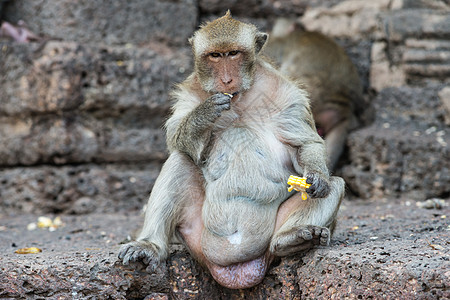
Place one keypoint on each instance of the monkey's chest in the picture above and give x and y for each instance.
(247, 162)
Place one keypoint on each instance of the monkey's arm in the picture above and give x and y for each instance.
(309, 153)
(308, 222)
(190, 131)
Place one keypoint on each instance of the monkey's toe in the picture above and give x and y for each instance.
(299, 239)
(324, 236)
(137, 251)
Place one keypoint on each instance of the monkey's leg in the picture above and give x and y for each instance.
(171, 192)
(306, 223)
(335, 142)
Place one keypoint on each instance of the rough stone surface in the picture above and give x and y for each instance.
(79, 139)
(444, 96)
(406, 152)
(86, 103)
(83, 188)
(380, 249)
(258, 8)
(350, 19)
(104, 22)
(107, 80)
(417, 23)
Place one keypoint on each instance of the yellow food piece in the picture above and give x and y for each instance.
(304, 196)
(31, 250)
(57, 222)
(299, 184)
(228, 94)
(44, 222)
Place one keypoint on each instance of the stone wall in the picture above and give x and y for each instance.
(82, 112)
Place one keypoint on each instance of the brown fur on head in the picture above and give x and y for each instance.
(224, 35)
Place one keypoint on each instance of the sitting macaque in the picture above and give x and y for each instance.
(238, 130)
(325, 71)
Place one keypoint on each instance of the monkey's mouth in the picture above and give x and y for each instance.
(241, 275)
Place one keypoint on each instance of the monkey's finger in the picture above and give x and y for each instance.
(148, 257)
(225, 106)
(138, 254)
(306, 234)
(124, 250)
(325, 239)
(310, 178)
(127, 257)
(151, 268)
(322, 189)
(321, 235)
(223, 99)
(311, 190)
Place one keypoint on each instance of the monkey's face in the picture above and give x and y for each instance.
(224, 71)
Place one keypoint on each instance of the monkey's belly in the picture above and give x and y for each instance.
(245, 183)
(248, 164)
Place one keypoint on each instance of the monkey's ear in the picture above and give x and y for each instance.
(260, 41)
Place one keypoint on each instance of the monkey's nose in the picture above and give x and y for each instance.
(227, 81)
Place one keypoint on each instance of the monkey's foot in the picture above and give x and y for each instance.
(299, 239)
(143, 251)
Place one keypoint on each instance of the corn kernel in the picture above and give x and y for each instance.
(299, 184)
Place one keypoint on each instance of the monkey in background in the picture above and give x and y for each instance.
(238, 129)
(325, 71)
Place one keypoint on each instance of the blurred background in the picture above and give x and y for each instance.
(84, 94)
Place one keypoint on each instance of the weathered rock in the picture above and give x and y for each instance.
(383, 73)
(85, 188)
(417, 23)
(257, 8)
(67, 103)
(73, 138)
(347, 19)
(103, 22)
(64, 76)
(442, 5)
(417, 61)
(426, 59)
(406, 152)
(380, 249)
(444, 96)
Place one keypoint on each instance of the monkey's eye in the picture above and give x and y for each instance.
(215, 54)
(233, 53)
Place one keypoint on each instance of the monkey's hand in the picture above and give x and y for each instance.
(194, 132)
(143, 251)
(319, 188)
(212, 108)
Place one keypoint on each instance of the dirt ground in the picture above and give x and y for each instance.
(385, 249)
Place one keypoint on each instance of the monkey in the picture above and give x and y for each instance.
(238, 128)
(326, 72)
